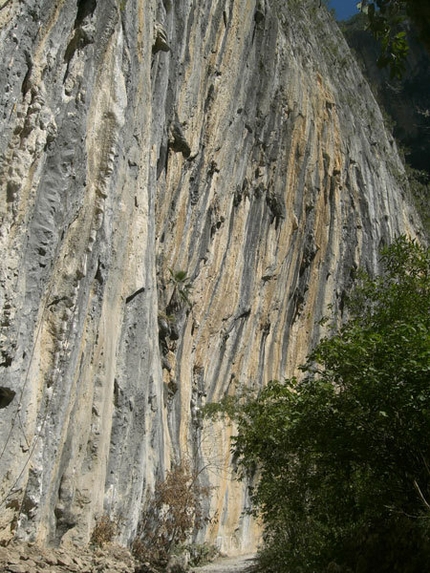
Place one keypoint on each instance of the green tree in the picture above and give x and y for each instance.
(342, 456)
(387, 21)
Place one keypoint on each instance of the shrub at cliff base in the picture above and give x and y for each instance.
(343, 455)
(173, 513)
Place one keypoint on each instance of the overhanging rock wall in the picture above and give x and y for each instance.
(186, 186)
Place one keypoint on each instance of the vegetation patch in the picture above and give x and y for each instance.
(104, 531)
(342, 455)
(172, 515)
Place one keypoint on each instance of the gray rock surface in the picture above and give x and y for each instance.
(185, 187)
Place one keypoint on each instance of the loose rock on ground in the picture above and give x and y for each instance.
(111, 558)
(29, 558)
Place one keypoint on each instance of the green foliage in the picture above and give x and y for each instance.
(230, 405)
(387, 21)
(343, 455)
(181, 289)
(419, 182)
(201, 554)
(227, 406)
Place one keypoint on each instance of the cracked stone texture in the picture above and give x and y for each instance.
(185, 188)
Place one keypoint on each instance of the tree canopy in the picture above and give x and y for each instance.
(341, 457)
(387, 19)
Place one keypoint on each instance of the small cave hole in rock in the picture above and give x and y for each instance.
(85, 8)
(6, 396)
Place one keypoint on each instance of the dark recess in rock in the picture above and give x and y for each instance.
(132, 296)
(6, 396)
(85, 8)
(178, 142)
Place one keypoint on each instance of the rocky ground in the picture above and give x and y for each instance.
(29, 558)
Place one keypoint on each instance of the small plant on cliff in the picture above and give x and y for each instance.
(181, 289)
(173, 513)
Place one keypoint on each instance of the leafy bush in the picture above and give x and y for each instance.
(201, 554)
(388, 22)
(343, 455)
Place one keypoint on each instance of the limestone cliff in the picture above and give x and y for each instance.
(186, 186)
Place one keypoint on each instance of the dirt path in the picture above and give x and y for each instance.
(239, 564)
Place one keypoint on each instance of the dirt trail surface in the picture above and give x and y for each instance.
(111, 558)
(240, 564)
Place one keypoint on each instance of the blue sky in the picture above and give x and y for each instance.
(344, 8)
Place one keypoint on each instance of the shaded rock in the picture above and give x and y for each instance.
(161, 41)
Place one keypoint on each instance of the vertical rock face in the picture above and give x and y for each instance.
(186, 186)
